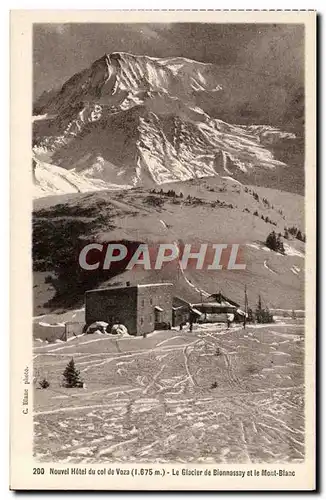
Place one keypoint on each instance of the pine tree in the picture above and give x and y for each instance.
(259, 310)
(263, 315)
(271, 241)
(71, 375)
(279, 243)
(275, 243)
(299, 235)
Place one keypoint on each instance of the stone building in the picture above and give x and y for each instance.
(141, 308)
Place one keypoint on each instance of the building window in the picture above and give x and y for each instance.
(141, 320)
(151, 301)
(142, 302)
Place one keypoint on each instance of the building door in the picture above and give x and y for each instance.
(157, 315)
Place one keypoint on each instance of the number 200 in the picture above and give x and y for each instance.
(38, 470)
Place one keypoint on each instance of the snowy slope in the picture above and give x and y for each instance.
(64, 224)
(51, 180)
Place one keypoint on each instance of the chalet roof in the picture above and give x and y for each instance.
(176, 298)
(194, 310)
(222, 299)
(217, 305)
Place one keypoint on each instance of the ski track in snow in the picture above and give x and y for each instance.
(296, 270)
(199, 290)
(293, 252)
(266, 266)
(101, 422)
(232, 179)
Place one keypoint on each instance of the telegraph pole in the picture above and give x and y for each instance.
(246, 307)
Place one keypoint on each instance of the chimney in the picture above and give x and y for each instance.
(128, 283)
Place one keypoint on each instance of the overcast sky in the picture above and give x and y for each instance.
(61, 50)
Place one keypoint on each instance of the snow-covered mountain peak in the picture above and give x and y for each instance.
(131, 120)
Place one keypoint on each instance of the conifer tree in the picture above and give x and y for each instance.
(280, 246)
(71, 375)
(271, 241)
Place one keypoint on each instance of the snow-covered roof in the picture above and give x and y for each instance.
(199, 313)
(123, 286)
(154, 284)
(214, 304)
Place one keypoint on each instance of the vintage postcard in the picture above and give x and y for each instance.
(163, 186)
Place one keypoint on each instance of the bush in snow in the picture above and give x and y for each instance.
(44, 384)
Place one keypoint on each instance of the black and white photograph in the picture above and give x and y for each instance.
(168, 240)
